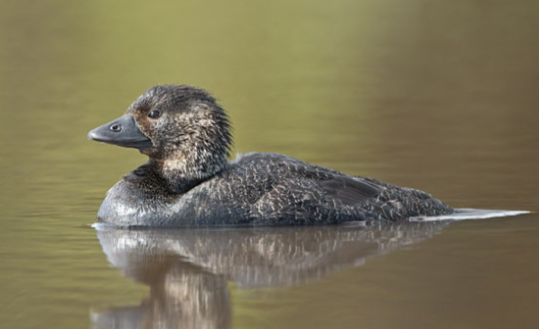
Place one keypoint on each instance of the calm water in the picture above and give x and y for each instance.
(441, 96)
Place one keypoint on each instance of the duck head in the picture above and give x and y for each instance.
(182, 129)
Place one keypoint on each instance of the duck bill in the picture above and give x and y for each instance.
(123, 131)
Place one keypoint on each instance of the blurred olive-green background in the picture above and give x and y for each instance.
(438, 95)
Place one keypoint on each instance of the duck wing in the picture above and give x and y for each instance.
(349, 190)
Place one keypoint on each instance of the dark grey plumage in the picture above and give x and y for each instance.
(188, 182)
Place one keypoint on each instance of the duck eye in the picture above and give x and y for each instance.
(154, 114)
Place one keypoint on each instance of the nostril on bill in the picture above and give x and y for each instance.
(115, 127)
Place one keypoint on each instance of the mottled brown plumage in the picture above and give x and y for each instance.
(188, 181)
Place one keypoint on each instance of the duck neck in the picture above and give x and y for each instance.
(182, 174)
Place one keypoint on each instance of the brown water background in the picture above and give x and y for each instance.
(441, 96)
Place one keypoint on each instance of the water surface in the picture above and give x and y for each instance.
(439, 96)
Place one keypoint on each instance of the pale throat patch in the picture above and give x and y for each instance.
(194, 170)
(175, 163)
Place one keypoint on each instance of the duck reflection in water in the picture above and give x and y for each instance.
(188, 270)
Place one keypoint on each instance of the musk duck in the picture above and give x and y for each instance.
(188, 180)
